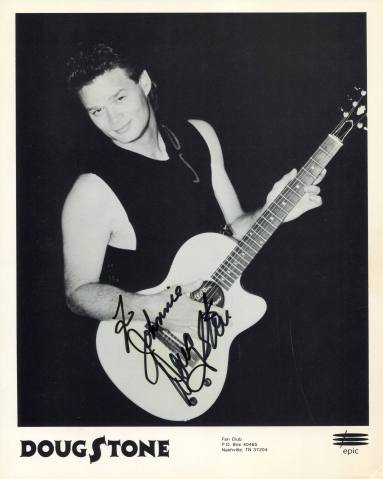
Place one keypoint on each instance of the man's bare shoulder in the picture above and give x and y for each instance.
(210, 136)
(88, 185)
(89, 195)
(204, 128)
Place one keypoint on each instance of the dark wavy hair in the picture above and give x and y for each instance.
(92, 60)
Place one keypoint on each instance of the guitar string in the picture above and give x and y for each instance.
(289, 193)
(230, 260)
(245, 245)
(233, 260)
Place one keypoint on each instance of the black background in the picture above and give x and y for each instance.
(271, 85)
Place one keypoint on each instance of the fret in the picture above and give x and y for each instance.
(238, 259)
(284, 204)
(261, 231)
(259, 234)
(249, 237)
(274, 205)
(249, 250)
(235, 270)
(307, 171)
(315, 168)
(228, 268)
(324, 151)
(271, 215)
(270, 223)
(265, 226)
(253, 245)
(221, 280)
(331, 145)
(297, 179)
(226, 274)
(283, 196)
(298, 185)
(294, 191)
(252, 240)
(307, 179)
(246, 256)
(314, 160)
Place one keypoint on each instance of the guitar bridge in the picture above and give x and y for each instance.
(176, 346)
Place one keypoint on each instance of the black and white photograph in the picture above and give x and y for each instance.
(192, 244)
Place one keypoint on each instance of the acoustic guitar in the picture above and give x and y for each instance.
(179, 376)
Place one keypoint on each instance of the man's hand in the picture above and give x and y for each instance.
(310, 200)
(183, 314)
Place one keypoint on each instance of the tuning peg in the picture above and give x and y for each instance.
(363, 93)
(365, 128)
(361, 110)
(345, 114)
(360, 125)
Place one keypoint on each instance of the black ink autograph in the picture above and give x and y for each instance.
(210, 327)
(153, 328)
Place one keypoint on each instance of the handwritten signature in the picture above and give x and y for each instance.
(211, 325)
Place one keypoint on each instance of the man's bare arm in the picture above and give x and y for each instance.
(227, 197)
(87, 226)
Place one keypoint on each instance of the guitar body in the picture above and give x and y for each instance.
(153, 383)
(179, 376)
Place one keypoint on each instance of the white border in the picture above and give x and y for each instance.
(293, 452)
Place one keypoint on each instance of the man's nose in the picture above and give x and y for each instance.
(114, 116)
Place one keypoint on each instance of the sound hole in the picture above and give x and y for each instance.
(212, 292)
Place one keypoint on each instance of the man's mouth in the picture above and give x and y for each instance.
(123, 129)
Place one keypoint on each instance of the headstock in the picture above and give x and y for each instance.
(354, 117)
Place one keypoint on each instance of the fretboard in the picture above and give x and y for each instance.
(268, 222)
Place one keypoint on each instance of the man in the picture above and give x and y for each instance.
(102, 228)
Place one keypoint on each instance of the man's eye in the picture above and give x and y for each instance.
(121, 98)
(96, 112)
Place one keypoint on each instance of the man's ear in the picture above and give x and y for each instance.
(145, 82)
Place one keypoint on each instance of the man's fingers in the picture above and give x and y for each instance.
(312, 190)
(316, 200)
(292, 174)
(186, 288)
(320, 177)
(288, 176)
(190, 287)
(279, 185)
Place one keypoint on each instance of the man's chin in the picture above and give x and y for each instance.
(123, 139)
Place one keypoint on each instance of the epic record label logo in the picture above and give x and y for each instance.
(347, 439)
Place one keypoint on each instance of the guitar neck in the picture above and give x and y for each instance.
(269, 221)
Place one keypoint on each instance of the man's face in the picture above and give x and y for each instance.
(117, 105)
